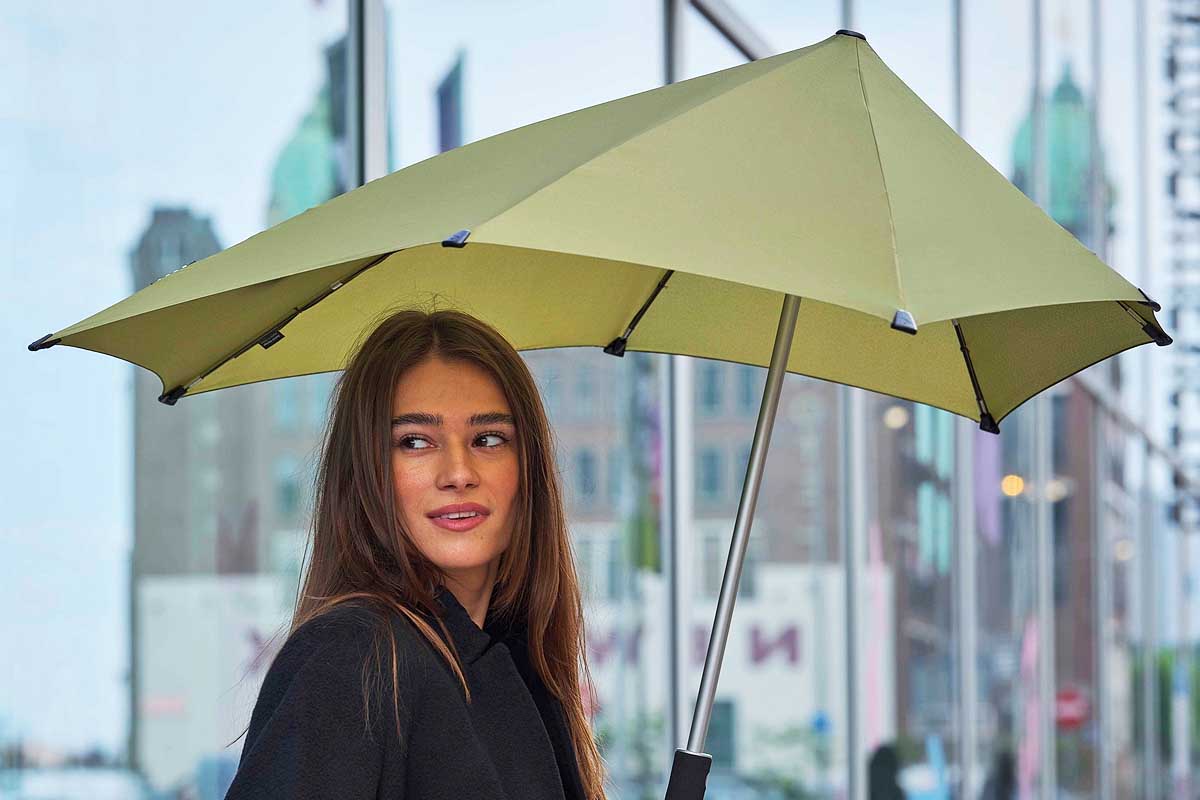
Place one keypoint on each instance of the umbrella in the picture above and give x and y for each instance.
(690, 219)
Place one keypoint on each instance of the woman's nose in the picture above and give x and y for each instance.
(457, 467)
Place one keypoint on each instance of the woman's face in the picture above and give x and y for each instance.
(453, 441)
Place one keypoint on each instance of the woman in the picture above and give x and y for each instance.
(431, 656)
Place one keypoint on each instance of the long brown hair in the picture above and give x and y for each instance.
(361, 550)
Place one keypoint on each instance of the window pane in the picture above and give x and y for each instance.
(141, 137)
(286, 403)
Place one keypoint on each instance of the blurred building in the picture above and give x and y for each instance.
(221, 485)
(1182, 306)
(1074, 175)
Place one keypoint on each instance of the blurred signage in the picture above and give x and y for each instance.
(1071, 707)
(766, 644)
(203, 645)
(784, 670)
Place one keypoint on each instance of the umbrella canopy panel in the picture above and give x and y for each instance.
(540, 299)
(816, 173)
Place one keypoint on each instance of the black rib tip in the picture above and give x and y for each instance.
(988, 424)
(616, 347)
(1150, 302)
(903, 321)
(43, 343)
(456, 239)
(1159, 337)
(855, 34)
(172, 396)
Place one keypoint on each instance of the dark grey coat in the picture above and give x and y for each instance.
(307, 736)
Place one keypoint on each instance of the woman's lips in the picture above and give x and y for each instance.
(463, 524)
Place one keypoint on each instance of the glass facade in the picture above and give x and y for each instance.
(926, 610)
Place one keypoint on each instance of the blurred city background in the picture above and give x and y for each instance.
(1022, 604)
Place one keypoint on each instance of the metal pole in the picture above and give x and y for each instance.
(855, 516)
(1097, 192)
(1147, 594)
(741, 527)
(1044, 535)
(366, 106)
(672, 39)
(1145, 580)
(1103, 567)
(853, 491)
(1181, 687)
(967, 610)
(735, 29)
(964, 506)
(1102, 562)
(1043, 524)
(676, 445)
(682, 487)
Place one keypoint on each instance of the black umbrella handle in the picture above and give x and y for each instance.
(689, 775)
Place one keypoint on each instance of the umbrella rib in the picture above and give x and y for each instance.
(1156, 334)
(986, 421)
(269, 337)
(713, 93)
(883, 179)
(617, 346)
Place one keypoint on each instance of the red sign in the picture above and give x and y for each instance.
(1071, 708)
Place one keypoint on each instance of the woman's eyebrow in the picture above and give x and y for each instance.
(422, 418)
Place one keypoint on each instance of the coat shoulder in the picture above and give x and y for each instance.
(355, 631)
(330, 720)
(347, 653)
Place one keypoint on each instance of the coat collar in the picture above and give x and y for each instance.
(470, 640)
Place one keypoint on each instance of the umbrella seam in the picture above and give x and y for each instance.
(658, 124)
(883, 178)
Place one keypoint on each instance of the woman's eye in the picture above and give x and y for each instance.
(403, 441)
(501, 437)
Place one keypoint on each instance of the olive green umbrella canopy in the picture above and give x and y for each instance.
(815, 173)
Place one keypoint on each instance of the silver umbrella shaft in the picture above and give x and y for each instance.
(741, 527)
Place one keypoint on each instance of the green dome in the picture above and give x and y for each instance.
(1069, 146)
(305, 173)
